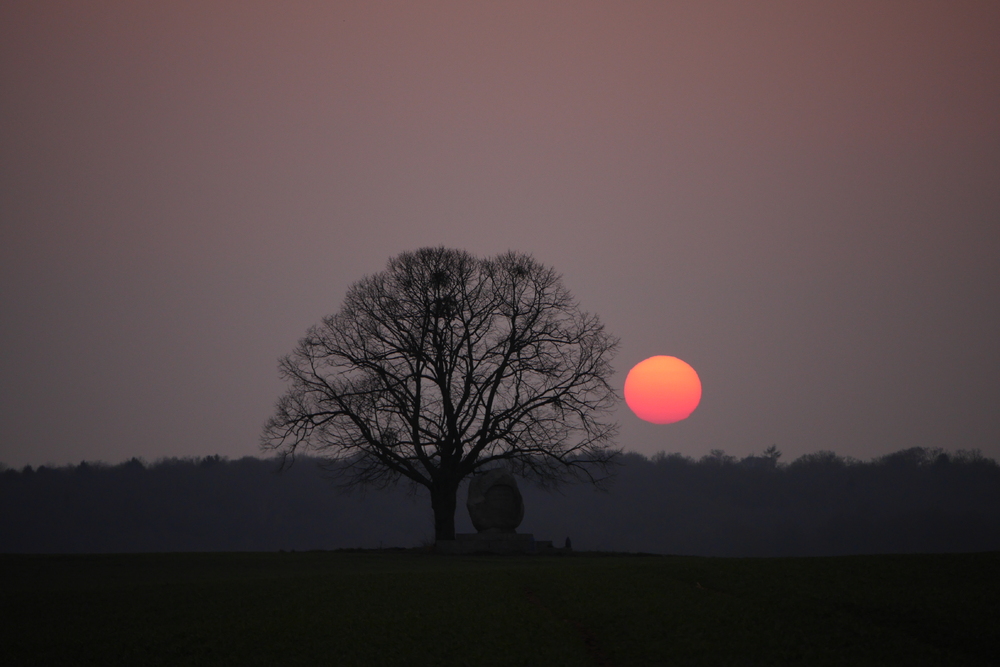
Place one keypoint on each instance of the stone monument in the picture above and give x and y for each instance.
(494, 502)
(496, 509)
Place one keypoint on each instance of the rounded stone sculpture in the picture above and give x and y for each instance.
(494, 502)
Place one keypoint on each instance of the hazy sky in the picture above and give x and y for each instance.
(800, 199)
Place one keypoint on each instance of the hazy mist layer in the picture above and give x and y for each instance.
(913, 501)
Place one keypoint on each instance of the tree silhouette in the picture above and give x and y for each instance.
(444, 364)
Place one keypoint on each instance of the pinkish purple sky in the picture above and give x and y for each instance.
(800, 199)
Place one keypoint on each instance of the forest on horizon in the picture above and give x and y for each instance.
(917, 500)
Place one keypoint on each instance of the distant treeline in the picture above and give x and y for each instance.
(916, 500)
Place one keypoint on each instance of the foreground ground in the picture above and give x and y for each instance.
(396, 608)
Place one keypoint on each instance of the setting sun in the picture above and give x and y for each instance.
(662, 390)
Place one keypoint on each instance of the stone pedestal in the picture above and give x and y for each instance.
(493, 542)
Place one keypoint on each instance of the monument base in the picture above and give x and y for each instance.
(494, 542)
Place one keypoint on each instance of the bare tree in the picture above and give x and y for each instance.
(446, 363)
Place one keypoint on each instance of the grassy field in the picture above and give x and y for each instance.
(406, 608)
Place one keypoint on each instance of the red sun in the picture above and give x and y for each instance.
(662, 390)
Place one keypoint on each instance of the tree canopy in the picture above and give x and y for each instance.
(445, 364)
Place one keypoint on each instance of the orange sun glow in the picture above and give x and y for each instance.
(662, 390)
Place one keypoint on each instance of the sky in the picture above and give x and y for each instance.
(800, 199)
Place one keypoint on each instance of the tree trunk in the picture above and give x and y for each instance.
(443, 501)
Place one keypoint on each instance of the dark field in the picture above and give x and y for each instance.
(394, 607)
